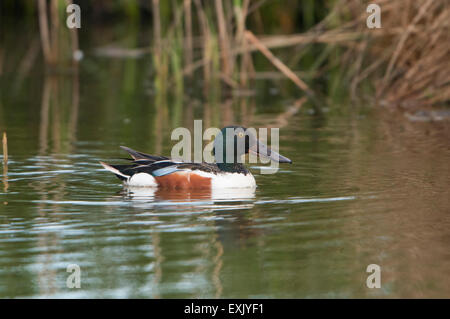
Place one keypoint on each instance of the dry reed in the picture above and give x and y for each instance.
(277, 63)
(407, 60)
(5, 151)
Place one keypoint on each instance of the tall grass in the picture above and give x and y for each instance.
(406, 61)
(59, 44)
(408, 58)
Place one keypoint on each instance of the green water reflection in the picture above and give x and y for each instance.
(360, 191)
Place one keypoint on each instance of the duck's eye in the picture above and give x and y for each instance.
(240, 134)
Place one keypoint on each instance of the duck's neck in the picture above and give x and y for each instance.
(233, 168)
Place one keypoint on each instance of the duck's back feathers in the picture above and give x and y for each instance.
(143, 156)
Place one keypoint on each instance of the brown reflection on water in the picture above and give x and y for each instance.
(218, 263)
(182, 195)
(159, 258)
(53, 104)
(405, 227)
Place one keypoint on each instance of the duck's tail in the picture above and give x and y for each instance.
(140, 162)
(118, 170)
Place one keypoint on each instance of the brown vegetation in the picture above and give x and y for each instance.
(406, 61)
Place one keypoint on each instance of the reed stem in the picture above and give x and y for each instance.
(43, 26)
(223, 39)
(188, 45)
(5, 151)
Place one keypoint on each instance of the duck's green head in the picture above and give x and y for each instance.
(235, 141)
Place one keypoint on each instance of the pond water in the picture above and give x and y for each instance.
(361, 190)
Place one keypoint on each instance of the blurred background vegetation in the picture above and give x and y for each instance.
(319, 52)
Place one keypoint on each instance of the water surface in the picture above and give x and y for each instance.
(360, 191)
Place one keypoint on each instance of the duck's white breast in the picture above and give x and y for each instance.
(229, 180)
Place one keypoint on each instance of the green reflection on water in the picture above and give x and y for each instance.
(359, 192)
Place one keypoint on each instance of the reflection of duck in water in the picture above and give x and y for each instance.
(165, 173)
(190, 195)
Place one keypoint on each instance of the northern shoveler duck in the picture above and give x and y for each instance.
(160, 171)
